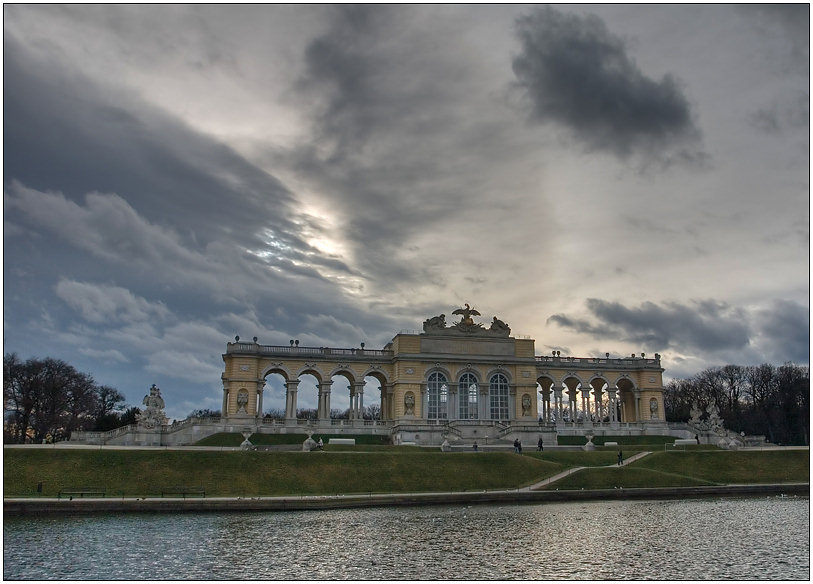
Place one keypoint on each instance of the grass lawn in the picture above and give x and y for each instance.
(379, 469)
(624, 477)
(694, 468)
(735, 467)
(145, 472)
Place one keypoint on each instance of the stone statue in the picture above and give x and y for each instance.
(153, 416)
(695, 412)
(242, 401)
(466, 312)
(653, 409)
(435, 323)
(715, 422)
(526, 405)
(499, 326)
(409, 404)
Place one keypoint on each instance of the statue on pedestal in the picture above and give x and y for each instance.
(153, 416)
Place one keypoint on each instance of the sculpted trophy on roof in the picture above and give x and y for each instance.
(466, 325)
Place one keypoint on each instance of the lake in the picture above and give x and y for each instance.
(696, 539)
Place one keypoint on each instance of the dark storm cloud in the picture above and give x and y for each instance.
(579, 75)
(786, 328)
(387, 108)
(72, 136)
(705, 325)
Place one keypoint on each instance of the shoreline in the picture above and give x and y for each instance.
(33, 507)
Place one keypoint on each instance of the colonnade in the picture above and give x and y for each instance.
(558, 400)
(325, 388)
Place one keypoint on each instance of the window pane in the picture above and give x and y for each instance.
(438, 396)
(467, 393)
(498, 397)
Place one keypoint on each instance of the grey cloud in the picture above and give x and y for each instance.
(704, 325)
(786, 330)
(107, 304)
(793, 20)
(579, 75)
(69, 136)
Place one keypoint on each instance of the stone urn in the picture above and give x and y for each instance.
(589, 445)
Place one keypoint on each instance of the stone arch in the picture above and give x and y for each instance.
(493, 371)
(311, 370)
(601, 398)
(545, 397)
(440, 369)
(342, 371)
(378, 373)
(278, 368)
(627, 400)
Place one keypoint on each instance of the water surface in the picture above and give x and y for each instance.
(702, 539)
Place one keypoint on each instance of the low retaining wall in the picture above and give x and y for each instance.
(39, 507)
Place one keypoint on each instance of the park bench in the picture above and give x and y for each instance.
(611, 444)
(346, 441)
(80, 492)
(184, 491)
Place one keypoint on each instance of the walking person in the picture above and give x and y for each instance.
(620, 458)
(539, 446)
(516, 445)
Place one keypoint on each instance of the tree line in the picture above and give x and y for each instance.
(760, 400)
(48, 399)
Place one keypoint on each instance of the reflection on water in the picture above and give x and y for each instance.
(704, 539)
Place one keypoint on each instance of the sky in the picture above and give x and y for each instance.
(604, 178)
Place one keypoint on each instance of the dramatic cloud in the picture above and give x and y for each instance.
(703, 325)
(178, 175)
(578, 74)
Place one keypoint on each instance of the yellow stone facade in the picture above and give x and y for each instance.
(433, 376)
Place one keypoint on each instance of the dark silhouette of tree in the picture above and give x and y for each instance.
(763, 399)
(48, 399)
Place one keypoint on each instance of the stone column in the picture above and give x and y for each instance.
(260, 385)
(359, 399)
(597, 404)
(323, 409)
(612, 405)
(573, 396)
(224, 412)
(557, 404)
(290, 399)
(452, 409)
(586, 405)
(424, 403)
(512, 401)
(483, 407)
(637, 398)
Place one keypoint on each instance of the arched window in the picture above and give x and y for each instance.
(438, 396)
(498, 396)
(467, 396)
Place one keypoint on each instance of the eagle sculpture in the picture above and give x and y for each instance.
(467, 313)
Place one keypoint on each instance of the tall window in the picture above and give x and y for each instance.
(498, 394)
(467, 396)
(438, 396)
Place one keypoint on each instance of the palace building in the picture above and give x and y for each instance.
(457, 382)
(451, 385)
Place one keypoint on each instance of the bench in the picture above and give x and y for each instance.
(347, 441)
(613, 444)
(80, 492)
(685, 441)
(184, 491)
